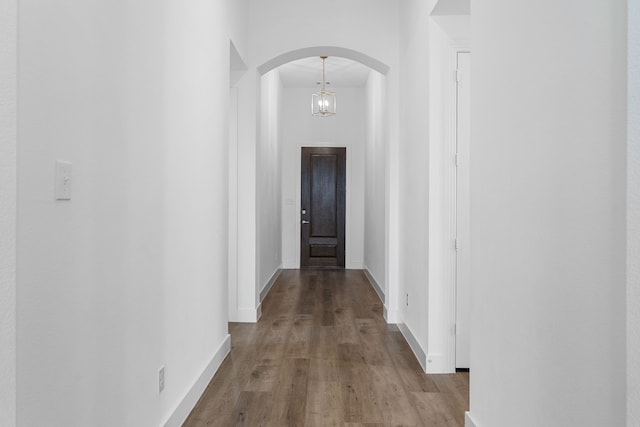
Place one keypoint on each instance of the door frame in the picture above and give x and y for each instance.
(463, 241)
(452, 142)
(348, 209)
(441, 357)
(341, 194)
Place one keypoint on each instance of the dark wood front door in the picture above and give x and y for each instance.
(323, 207)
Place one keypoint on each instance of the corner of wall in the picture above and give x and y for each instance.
(438, 363)
(468, 421)
(249, 315)
(391, 316)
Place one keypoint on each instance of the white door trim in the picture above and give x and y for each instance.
(451, 109)
(443, 292)
(462, 234)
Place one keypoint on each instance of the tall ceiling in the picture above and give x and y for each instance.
(339, 72)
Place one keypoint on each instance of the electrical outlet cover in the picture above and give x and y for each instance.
(161, 380)
(63, 180)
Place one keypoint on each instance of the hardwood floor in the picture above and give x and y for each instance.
(322, 355)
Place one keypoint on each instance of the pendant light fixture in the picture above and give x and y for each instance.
(323, 102)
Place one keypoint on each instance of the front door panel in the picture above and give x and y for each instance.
(323, 207)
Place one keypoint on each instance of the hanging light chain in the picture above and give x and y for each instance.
(323, 59)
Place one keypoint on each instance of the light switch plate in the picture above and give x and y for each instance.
(63, 180)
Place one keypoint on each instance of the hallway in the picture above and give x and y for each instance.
(149, 194)
(322, 355)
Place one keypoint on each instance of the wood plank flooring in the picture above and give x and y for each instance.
(322, 355)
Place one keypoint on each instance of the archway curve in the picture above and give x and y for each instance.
(306, 52)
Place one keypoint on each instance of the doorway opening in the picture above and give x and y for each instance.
(277, 124)
(323, 203)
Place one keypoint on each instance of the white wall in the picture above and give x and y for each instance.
(447, 35)
(633, 218)
(280, 26)
(238, 69)
(375, 198)
(414, 170)
(237, 13)
(8, 151)
(269, 177)
(247, 285)
(130, 274)
(345, 129)
(548, 213)
(365, 26)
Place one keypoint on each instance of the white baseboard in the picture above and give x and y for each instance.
(375, 284)
(415, 346)
(391, 316)
(252, 315)
(438, 364)
(187, 404)
(249, 315)
(468, 421)
(267, 287)
(290, 265)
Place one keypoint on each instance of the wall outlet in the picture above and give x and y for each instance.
(63, 180)
(160, 380)
(407, 299)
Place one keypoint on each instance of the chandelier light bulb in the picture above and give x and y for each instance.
(323, 102)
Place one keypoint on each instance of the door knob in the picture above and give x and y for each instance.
(304, 221)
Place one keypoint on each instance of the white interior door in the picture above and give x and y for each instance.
(463, 279)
